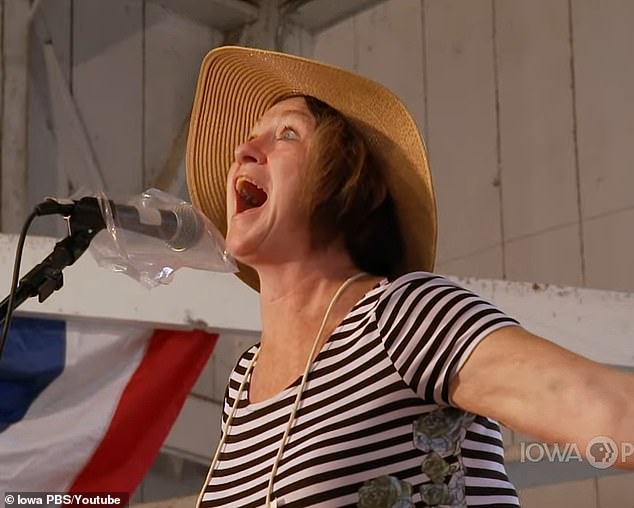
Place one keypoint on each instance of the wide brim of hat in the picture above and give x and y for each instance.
(237, 85)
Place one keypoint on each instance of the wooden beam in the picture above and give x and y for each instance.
(595, 323)
(224, 15)
(107, 84)
(15, 51)
(264, 31)
(318, 15)
(229, 15)
(195, 299)
(75, 150)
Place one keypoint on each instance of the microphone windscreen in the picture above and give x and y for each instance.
(189, 228)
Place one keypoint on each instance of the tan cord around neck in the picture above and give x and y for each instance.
(298, 398)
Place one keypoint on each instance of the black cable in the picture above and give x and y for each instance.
(14, 281)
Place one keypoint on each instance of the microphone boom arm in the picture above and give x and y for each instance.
(47, 277)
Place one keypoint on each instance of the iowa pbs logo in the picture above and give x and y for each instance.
(603, 452)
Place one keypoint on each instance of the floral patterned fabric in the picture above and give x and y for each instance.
(437, 435)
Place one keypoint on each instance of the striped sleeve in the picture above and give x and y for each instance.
(429, 326)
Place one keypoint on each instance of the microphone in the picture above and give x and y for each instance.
(180, 227)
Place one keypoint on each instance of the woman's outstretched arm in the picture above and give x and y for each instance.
(538, 388)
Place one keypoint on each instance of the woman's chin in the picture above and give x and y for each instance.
(245, 250)
(263, 248)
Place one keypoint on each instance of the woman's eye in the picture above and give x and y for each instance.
(288, 133)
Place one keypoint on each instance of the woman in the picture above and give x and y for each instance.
(373, 384)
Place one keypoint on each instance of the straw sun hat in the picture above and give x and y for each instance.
(237, 85)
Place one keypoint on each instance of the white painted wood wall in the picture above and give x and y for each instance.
(132, 67)
(528, 113)
(527, 108)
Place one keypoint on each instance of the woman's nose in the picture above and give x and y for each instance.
(249, 151)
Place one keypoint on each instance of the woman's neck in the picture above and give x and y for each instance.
(295, 295)
(296, 298)
(291, 324)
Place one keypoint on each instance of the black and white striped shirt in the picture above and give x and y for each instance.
(376, 427)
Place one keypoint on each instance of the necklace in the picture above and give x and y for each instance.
(270, 501)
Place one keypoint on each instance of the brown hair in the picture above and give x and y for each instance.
(346, 195)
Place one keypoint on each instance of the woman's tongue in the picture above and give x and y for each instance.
(250, 195)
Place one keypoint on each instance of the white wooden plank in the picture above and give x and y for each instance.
(486, 264)
(580, 494)
(195, 299)
(336, 45)
(536, 116)
(196, 431)
(107, 85)
(174, 49)
(14, 193)
(76, 153)
(595, 323)
(224, 15)
(43, 166)
(296, 40)
(318, 15)
(46, 175)
(389, 49)
(616, 491)
(604, 69)
(609, 251)
(553, 257)
(462, 132)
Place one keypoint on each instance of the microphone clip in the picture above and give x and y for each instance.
(82, 215)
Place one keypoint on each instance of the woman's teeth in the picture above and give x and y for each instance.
(251, 194)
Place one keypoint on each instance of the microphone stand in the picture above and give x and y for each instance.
(47, 276)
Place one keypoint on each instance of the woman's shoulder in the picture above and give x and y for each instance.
(431, 294)
(242, 363)
(415, 289)
(412, 280)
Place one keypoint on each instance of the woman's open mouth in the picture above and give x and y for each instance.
(248, 195)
